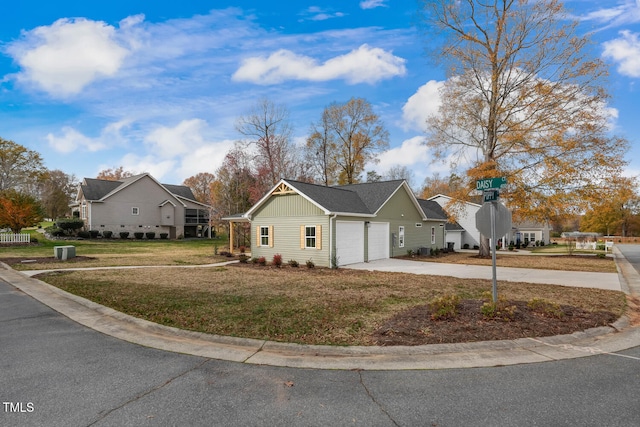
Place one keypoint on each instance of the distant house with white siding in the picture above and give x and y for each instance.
(465, 231)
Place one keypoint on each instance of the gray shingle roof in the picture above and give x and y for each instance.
(334, 199)
(95, 189)
(373, 194)
(434, 211)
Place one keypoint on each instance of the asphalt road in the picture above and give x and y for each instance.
(54, 372)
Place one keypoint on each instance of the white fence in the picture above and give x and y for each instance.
(15, 238)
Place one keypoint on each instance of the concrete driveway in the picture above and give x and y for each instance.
(609, 281)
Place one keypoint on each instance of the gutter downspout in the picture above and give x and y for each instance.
(331, 249)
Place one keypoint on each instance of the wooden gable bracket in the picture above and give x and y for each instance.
(282, 189)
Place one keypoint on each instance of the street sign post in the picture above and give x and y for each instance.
(493, 219)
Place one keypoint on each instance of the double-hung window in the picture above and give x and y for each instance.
(264, 236)
(433, 235)
(135, 211)
(310, 237)
(401, 236)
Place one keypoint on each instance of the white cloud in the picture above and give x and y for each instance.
(372, 4)
(72, 140)
(68, 55)
(411, 152)
(627, 12)
(424, 103)
(362, 65)
(168, 142)
(625, 51)
(207, 158)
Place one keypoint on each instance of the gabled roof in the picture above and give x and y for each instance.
(97, 190)
(350, 200)
(432, 209)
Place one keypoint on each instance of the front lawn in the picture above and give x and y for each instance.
(339, 307)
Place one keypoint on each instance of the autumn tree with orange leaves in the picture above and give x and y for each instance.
(524, 99)
(19, 210)
(201, 184)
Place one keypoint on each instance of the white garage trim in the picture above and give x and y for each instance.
(349, 242)
(378, 242)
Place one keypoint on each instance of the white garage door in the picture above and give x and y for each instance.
(378, 241)
(349, 242)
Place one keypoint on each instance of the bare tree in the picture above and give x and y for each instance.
(56, 192)
(20, 168)
(359, 134)
(267, 126)
(321, 151)
(524, 99)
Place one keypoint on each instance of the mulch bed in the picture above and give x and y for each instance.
(415, 326)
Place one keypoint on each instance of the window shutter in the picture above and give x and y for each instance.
(271, 236)
(318, 237)
(302, 237)
(258, 236)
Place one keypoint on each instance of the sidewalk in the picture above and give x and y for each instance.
(603, 340)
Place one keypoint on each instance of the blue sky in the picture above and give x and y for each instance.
(156, 86)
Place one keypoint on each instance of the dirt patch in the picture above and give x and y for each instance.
(45, 260)
(416, 327)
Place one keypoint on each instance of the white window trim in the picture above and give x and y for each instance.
(307, 237)
(264, 236)
(433, 235)
(135, 210)
(401, 236)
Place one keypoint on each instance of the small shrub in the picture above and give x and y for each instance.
(229, 255)
(69, 225)
(262, 261)
(55, 231)
(601, 256)
(124, 234)
(84, 234)
(107, 234)
(243, 249)
(138, 235)
(277, 260)
(465, 246)
(164, 236)
(293, 263)
(243, 258)
(150, 235)
(94, 234)
(224, 253)
(254, 260)
(546, 308)
(444, 307)
(500, 310)
(215, 249)
(310, 264)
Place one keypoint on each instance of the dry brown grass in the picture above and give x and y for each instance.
(588, 263)
(318, 306)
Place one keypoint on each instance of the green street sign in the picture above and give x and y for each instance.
(491, 183)
(491, 196)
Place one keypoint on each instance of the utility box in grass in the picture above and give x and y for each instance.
(64, 252)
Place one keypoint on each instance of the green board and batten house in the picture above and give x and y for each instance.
(334, 226)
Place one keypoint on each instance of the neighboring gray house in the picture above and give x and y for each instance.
(141, 204)
(464, 231)
(334, 226)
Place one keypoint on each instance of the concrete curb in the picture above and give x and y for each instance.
(603, 340)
